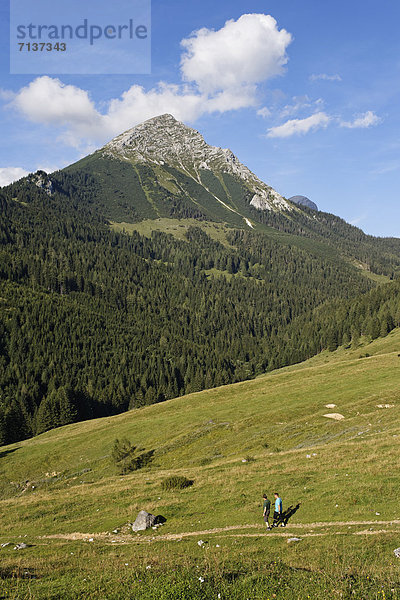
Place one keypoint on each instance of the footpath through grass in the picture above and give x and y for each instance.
(60, 490)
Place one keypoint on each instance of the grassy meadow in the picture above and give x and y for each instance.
(61, 494)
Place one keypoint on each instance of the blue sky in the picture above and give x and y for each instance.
(307, 98)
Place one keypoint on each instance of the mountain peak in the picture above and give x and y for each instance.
(303, 201)
(164, 118)
(163, 140)
(155, 139)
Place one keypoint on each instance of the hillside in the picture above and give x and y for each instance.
(108, 303)
(60, 489)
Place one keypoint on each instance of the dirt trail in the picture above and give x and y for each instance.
(279, 532)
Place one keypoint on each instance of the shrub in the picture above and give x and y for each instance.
(249, 459)
(176, 482)
(128, 457)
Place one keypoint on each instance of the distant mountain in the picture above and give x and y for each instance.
(303, 201)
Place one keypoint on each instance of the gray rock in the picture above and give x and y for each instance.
(143, 521)
(303, 201)
(21, 546)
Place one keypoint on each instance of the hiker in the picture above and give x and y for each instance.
(277, 511)
(266, 510)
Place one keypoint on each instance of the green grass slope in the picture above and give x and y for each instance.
(60, 490)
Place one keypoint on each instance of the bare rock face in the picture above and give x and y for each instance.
(303, 201)
(143, 521)
(42, 180)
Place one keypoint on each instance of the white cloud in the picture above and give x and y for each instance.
(243, 52)
(232, 99)
(49, 168)
(300, 103)
(137, 105)
(388, 167)
(299, 126)
(10, 174)
(264, 112)
(325, 77)
(368, 119)
(50, 100)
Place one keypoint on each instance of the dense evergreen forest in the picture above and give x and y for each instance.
(94, 322)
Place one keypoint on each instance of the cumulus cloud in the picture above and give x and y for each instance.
(243, 52)
(137, 105)
(299, 126)
(325, 77)
(232, 99)
(48, 101)
(368, 119)
(10, 174)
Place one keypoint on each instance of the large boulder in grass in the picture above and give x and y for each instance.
(144, 521)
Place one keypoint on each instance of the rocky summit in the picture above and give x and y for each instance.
(163, 140)
(303, 201)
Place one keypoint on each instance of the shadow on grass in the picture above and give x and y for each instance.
(287, 514)
(232, 576)
(160, 520)
(16, 573)
(6, 452)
